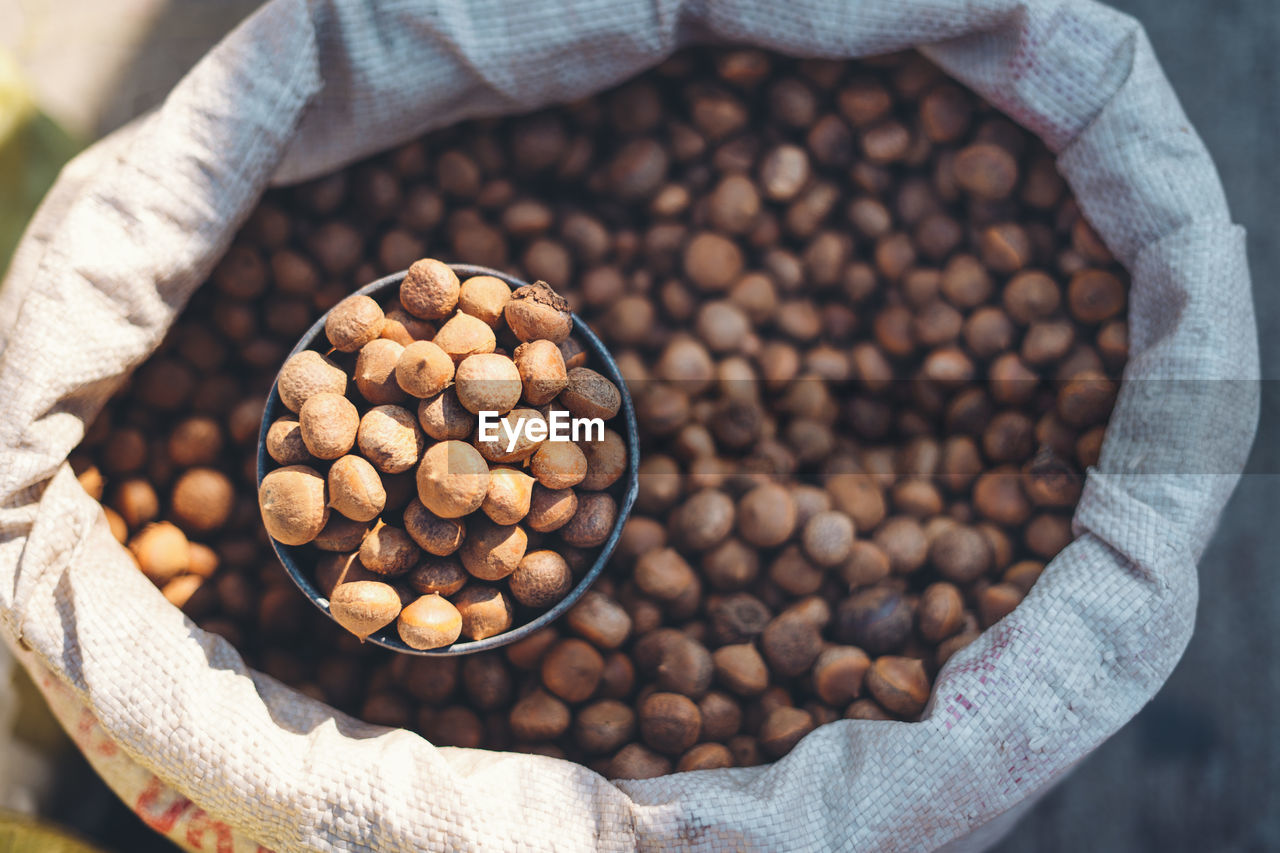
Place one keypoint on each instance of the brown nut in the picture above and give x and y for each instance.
(488, 382)
(308, 373)
(388, 551)
(442, 575)
(423, 369)
(463, 336)
(202, 499)
(485, 611)
(740, 669)
(550, 509)
(572, 669)
(669, 723)
(363, 607)
(355, 489)
(899, 684)
(593, 522)
(484, 297)
(328, 423)
(353, 322)
(636, 761)
(838, 674)
(429, 290)
(510, 493)
(162, 552)
(876, 619)
(783, 728)
(603, 726)
(600, 620)
(443, 417)
(536, 312)
(606, 461)
(375, 372)
(559, 464)
(790, 644)
(285, 444)
(453, 479)
(515, 437)
(540, 580)
(294, 504)
(491, 551)
(429, 622)
(542, 371)
(961, 554)
(766, 516)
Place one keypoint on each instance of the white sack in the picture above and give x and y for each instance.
(209, 750)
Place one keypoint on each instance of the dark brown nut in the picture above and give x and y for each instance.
(740, 669)
(793, 573)
(559, 465)
(442, 575)
(940, 612)
(705, 519)
(669, 723)
(1089, 447)
(916, 497)
(866, 564)
(453, 726)
(635, 761)
(294, 504)
(541, 579)
(865, 709)
(828, 538)
(435, 535)
(729, 566)
(791, 644)
(590, 395)
(766, 516)
(485, 610)
(603, 726)
(429, 290)
(443, 417)
(1005, 247)
(998, 496)
(550, 509)
(390, 439)
(903, 540)
(985, 170)
(195, 441)
(606, 461)
(1012, 382)
(1009, 437)
(945, 113)
(705, 756)
(675, 661)
(355, 489)
(600, 620)
(838, 674)
(1095, 296)
(999, 542)
(1047, 341)
(423, 369)
(1024, 574)
(487, 682)
(1086, 399)
(746, 751)
(463, 336)
(491, 551)
(536, 312)
(430, 622)
(353, 322)
(877, 620)
(782, 729)
(453, 479)
(721, 716)
(527, 653)
(509, 495)
(997, 601)
(484, 297)
(737, 618)
(308, 373)
(663, 574)
(284, 442)
(388, 551)
(1048, 534)
(899, 684)
(375, 372)
(859, 497)
(538, 717)
(162, 552)
(340, 534)
(363, 607)
(593, 522)
(1051, 481)
(542, 371)
(1031, 296)
(328, 424)
(571, 670)
(960, 554)
(988, 332)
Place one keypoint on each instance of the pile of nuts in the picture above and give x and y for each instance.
(421, 534)
(873, 347)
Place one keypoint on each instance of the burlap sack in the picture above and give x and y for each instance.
(217, 755)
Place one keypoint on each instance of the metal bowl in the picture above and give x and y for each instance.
(299, 561)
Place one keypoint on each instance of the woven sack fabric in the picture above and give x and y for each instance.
(218, 756)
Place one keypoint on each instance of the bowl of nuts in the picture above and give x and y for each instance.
(439, 468)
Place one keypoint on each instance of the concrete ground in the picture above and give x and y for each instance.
(1199, 768)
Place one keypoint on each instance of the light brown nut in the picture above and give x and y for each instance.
(453, 479)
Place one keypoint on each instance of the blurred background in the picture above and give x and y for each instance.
(1198, 769)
